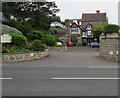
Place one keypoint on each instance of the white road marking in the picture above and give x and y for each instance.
(103, 67)
(6, 78)
(84, 78)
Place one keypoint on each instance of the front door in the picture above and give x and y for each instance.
(74, 39)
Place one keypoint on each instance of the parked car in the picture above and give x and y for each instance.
(69, 44)
(94, 44)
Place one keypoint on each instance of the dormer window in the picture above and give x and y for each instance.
(89, 28)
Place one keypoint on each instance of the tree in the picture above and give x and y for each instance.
(23, 10)
(39, 12)
(53, 31)
(112, 28)
(8, 8)
(23, 26)
(99, 28)
(40, 23)
(55, 18)
(63, 22)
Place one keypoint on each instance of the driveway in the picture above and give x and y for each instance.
(78, 72)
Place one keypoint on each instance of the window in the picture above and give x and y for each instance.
(89, 27)
(74, 30)
(89, 33)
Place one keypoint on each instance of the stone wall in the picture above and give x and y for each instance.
(110, 49)
(58, 49)
(17, 57)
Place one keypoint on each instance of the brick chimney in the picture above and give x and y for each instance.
(97, 11)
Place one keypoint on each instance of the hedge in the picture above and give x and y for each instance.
(49, 40)
(18, 40)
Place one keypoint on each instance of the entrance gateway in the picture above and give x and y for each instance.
(75, 38)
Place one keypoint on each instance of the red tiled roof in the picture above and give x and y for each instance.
(94, 17)
(74, 25)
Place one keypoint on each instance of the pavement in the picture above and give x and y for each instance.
(78, 72)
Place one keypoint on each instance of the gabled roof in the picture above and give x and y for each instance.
(74, 25)
(94, 17)
(88, 25)
(71, 21)
(84, 28)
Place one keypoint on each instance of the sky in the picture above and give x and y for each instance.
(73, 9)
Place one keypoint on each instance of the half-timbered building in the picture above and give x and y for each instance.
(88, 21)
(75, 35)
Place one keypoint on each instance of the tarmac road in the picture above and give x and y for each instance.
(78, 72)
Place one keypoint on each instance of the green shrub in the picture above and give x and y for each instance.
(13, 49)
(49, 40)
(18, 49)
(78, 44)
(11, 23)
(18, 40)
(35, 34)
(32, 23)
(29, 46)
(84, 43)
(4, 50)
(37, 45)
(57, 38)
(24, 27)
(8, 29)
(52, 31)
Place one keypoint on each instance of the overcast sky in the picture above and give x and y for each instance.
(73, 9)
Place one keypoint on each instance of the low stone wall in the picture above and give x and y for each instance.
(58, 49)
(17, 57)
(110, 49)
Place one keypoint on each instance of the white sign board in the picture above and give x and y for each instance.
(6, 38)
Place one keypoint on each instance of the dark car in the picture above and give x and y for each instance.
(94, 44)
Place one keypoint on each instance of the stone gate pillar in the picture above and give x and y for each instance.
(69, 39)
(80, 39)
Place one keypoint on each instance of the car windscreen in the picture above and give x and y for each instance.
(94, 43)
